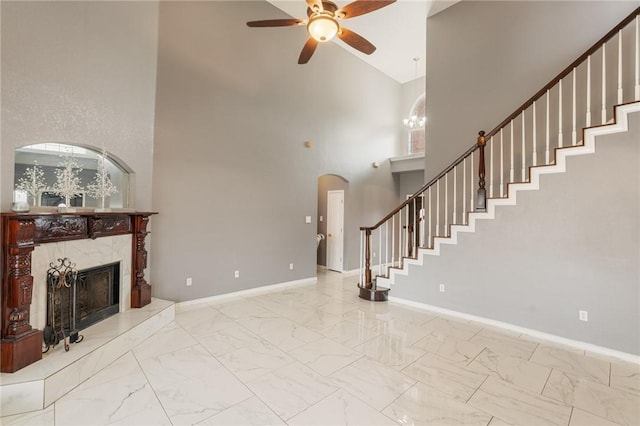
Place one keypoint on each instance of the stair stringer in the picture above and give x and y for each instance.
(618, 124)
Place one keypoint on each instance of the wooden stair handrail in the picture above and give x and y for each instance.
(423, 189)
(517, 112)
(566, 71)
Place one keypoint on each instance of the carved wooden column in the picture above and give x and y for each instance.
(140, 288)
(21, 345)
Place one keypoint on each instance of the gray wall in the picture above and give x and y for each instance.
(329, 183)
(233, 181)
(485, 58)
(409, 182)
(83, 73)
(573, 245)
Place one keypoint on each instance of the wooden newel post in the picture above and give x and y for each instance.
(367, 259)
(481, 203)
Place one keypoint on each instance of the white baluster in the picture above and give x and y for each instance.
(361, 259)
(588, 117)
(471, 184)
(455, 193)
(414, 243)
(446, 204)
(511, 170)
(491, 168)
(379, 251)
(501, 165)
(422, 219)
(560, 115)
(400, 238)
(574, 134)
(619, 67)
(637, 58)
(604, 84)
(403, 238)
(546, 134)
(534, 159)
(393, 240)
(524, 161)
(464, 191)
(386, 248)
(429, 235)
(437, 208)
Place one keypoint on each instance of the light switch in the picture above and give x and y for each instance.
(321, 218)
(307, 219)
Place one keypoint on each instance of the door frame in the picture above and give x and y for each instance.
(335, 241)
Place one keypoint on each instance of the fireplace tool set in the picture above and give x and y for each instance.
(61, 305)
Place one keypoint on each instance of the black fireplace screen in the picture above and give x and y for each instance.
(78, 299)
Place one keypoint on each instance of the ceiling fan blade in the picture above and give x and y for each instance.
(360, 7)
(356, 41)
(307, 50)
(275, 23)
(315, 5)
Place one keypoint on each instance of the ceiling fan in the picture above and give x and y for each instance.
(323, 24)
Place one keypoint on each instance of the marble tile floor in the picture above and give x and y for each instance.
(318, 355)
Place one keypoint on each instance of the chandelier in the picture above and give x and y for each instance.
(415, 122)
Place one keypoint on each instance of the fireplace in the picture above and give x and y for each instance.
(32, 240)
(97, 294)
(78, 299)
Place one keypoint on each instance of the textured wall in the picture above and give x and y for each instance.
(232, 178)
(84, 73)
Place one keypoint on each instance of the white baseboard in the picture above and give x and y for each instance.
(250, 292)
(600, 350)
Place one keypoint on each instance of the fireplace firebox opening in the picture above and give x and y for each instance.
(79, 299)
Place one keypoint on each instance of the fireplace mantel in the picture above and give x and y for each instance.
(21, 344)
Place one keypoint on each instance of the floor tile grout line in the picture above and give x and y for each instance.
(546, 381)
(476, 390)
(153, 389)
(570, 415)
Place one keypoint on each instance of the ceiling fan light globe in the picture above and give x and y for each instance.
(322, 28)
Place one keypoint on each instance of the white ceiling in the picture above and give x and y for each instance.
(398, 31)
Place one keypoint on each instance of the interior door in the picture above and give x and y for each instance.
(335, 229)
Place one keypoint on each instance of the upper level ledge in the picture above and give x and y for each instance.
(407, 163)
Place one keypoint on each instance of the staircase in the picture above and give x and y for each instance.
(593, 96)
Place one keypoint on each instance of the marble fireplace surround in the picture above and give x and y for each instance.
(30, 241)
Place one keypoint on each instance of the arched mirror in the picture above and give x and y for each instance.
(50, 174)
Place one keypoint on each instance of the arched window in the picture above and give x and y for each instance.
(416, 134)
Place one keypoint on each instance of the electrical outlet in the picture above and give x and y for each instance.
(583, 316)
(441, 288)
(291, 266)
(236, 274)
(189, 281)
